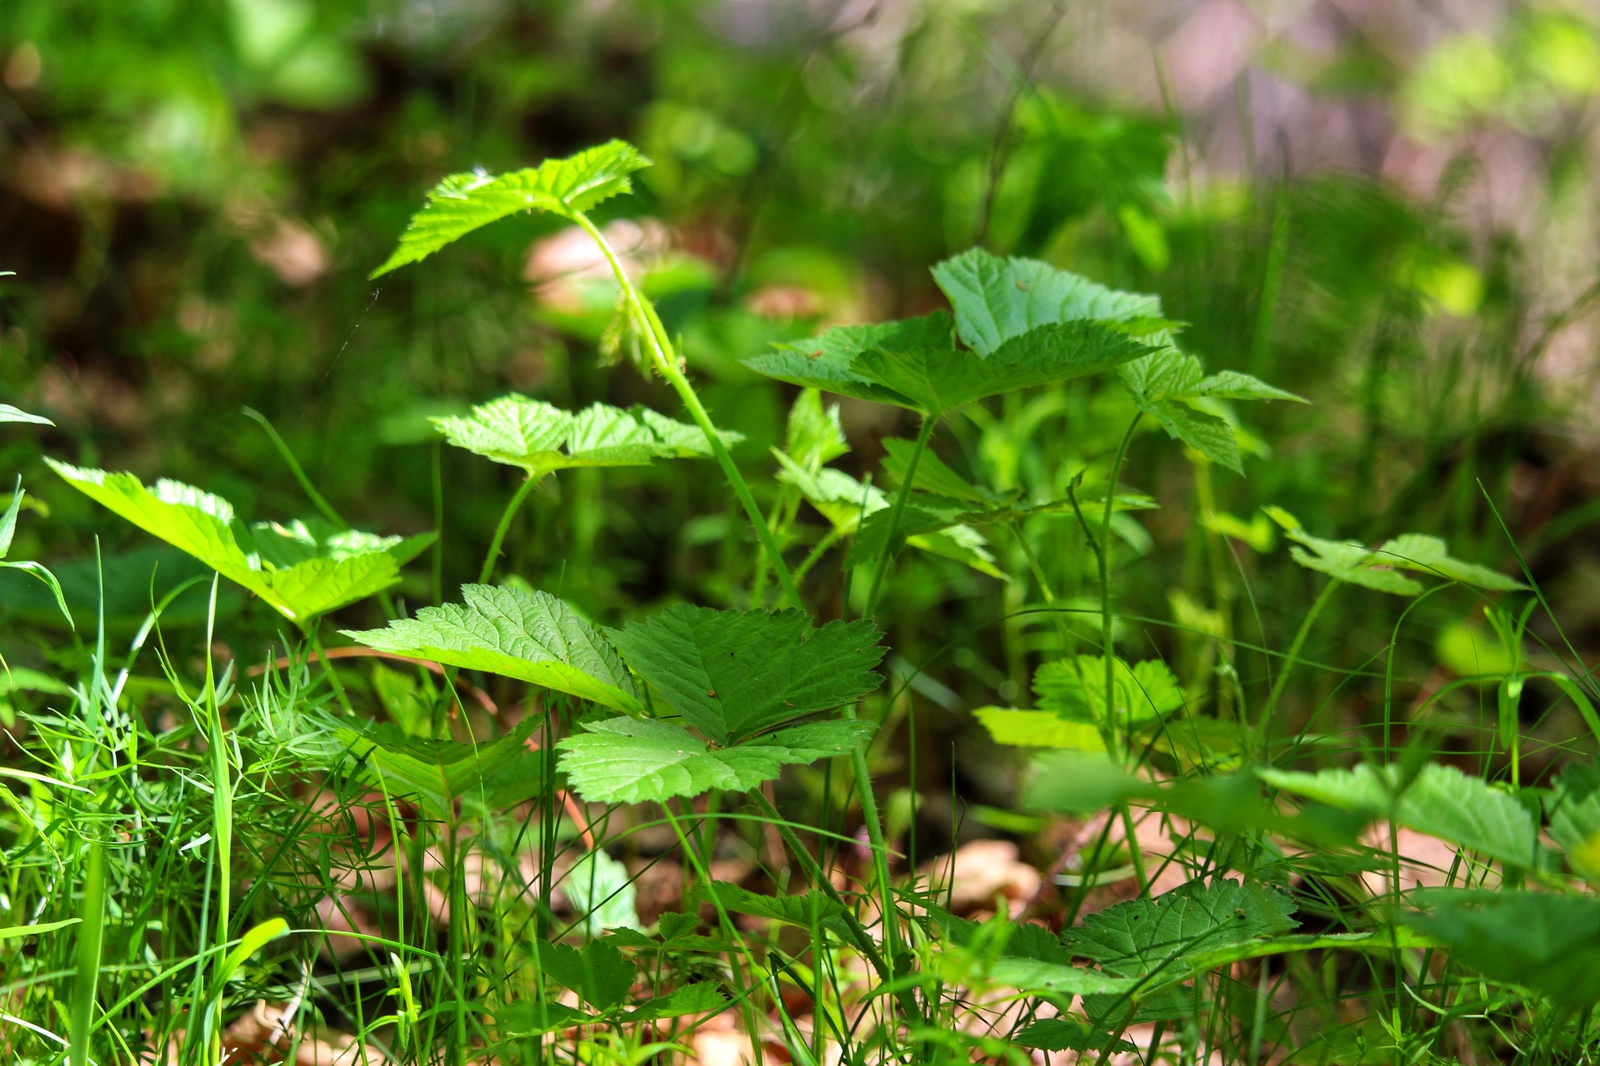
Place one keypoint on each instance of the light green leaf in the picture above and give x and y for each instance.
(933, 475)
(699, 998)
(12, 414)
(1425, 554)
(600, 889)
(1039, 729)
(1232, 385)
(1030, 959)
(814, 435)
(632, 760)
(13, 932)
(1574, 811)
(1155, 939)
(735, 673)
(1442, 802)
(1544, 942)
(532, 637)
(8, 521)
(542, 438)
(302, 570)
(254, 939)
(1072, 781)
(1076, 690)
(462, 203)
(828, 362)
(998, 299)
(1377, 569)
(799, 909)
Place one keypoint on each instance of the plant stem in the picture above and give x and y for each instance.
(925, 432)
(660, 348)
(1106, 641)
(500, 530)
(1265, 722)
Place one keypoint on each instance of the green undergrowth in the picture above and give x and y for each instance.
(431, 839)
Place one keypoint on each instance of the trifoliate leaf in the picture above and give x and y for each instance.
(1441, 801)
(302, 569)
(1538, 940)
(1155, 938)
(1076, 690)
(598, 973)
(1039, 729)
(12, 414)
(532, 637)
(633, 760)
(732, 674)
(542, 438)
(1159, 384)
(463, 202)
(998, 299)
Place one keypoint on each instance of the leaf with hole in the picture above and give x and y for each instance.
(532, 637)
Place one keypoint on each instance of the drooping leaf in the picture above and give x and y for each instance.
(598, 973)
(12, 414)
(1428, 555)
(634, 760)
(1039, 729)
(1076, 690)
(532, 637)
(933, 475)
(699, 998)
(827, 362)
(532, 1017)
(1162, 382)
(997, 299)
(302, 569)
(1379, 568)
(1441, 801)
(438, 773)
(1154, 939)
(462, 203)
(735, 673)
(1544, 942)
(542, 438)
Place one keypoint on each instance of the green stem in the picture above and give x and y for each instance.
(1265, 723)
(504, 527)
(660, 348)
(928, 422)
(829, 539)
(1106, 641)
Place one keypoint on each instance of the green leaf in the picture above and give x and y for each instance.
(814, 435)
(735, 673)
(802, 909)
(828, 362)
(699, 998)
(12, 414)
(1071, 781)
(541, 438)
(1076, 690)
(8, 521)
(1161, 382)
(998, 299)
(1232, 385)
(1574, 811)
(1544, 942)
(1030, 959)
(302, 570)
(437, 773)
(632, 760)
(462, 203)
(1377, 569)
(599, 974)
(532, 637)
(254, 939)
(1067, 1034)
(530, 1017)
(13, 932)
(1425, 554)
(1156, 938)
(1441, 801)
(933, 475)
(600, 889)
(1039, 729)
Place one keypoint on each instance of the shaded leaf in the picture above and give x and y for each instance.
(1547, 943)
(735, 673)
(600, 890)
(532, 637)
(1066, 1034)
(462, 203)
(598, 973)
(632, 760)
(437, 773)
(530, 1017)
(699, 998)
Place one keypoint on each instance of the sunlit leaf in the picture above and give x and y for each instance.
(12, 414)
(462, 203)
(532, 637)
(1076, 689)
(1039, 729)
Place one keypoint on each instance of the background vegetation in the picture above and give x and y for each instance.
(1389, 210)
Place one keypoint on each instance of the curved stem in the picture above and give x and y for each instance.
(504, 527)
(1265, 722)
(660, 348)
(928, 422)
(1106, 642)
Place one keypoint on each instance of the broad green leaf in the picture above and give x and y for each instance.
(1211, 437)
(598, 973)
(12, 414)
(8, 521)
(735, 673)
(1076, 690)
(633, 760)
(1544, 942)
(600, 889)
(438, 773)
(998, 299)
(933, 475)
(1161, 382)
(1428, 555)
(1072, 781)
(935, 380)
(532, 637)
(542, 438)
(254, 939)
(1378, 568)
(531, 1017)
(828, 362)
(302, 570)
(1156, 938)
(1039, 729)
(1442, 802)
(1574, 811)
(699, 998)
(462, 203)
(1068, 1034)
